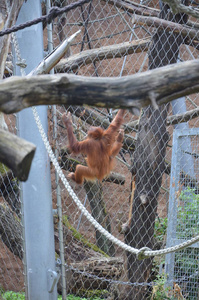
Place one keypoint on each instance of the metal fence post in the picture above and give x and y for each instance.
(37, 200)
(186, 161)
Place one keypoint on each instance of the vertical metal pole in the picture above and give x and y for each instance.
(172, 213)
(186, 160)
(37, 201)
(59, 203)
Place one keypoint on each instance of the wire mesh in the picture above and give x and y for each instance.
(94, 266)
(12, 260)
(104, 24)
(183, 213)
(11, 241)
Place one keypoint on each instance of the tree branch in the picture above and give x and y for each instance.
(177, 7)
(171, 120)
(167, 26)
(70, 164)
(95, 119)
(90, 56)
(192, 43)
(133, 7)
(5, 40)
(143, 10)
(17, 153)
(167, 83)
(54, 57)
(185, 117)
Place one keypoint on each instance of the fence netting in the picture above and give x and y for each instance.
(119, 38)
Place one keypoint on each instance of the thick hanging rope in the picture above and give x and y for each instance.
(53, 13)
(141, 253)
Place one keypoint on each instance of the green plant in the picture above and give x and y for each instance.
(9, 295)
(186, 260)
(13, 296)
(160, 228)
(187, 215)
(72, 297)
(161, 292)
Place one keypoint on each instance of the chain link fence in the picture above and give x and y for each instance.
(116, 41)
(11, 229)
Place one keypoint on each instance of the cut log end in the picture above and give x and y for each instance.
(23, 169)
(16, 153)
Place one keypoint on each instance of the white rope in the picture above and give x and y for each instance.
(72, 193)
(21, 63)
(141, 253)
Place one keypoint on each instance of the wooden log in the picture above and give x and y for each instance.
(5, 40)
(178, 7)
(16, 153)
(148, 164)
(79, 274)
(94, 193)
(115, 178)
(133, 7)
(136, 8)
(171, 120)
(185, 117)
(90, 56)
(95, 119)
(54, 57)
(68, 163)
(167, 26)
(167, 84)
(192, 43)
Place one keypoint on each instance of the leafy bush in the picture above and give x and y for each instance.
(21, 296)
(13, 296)
(187, 217)
(160, 228)
(186, 260)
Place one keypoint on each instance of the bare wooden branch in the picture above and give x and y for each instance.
(139, 9)
(168, 83)
(95, 119)
(89, 56)
(185, 117)
(70, 164)
(177, 7)
(192, 43)
(171, 120)
(115, 178)
(167, 26)
(152, 138)
(193, 24)
(5, 40)
(98, 267)
(54, 57)
(133, 7)
(94, 192)
(16, 154)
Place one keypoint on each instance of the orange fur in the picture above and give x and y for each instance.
(100, 146)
